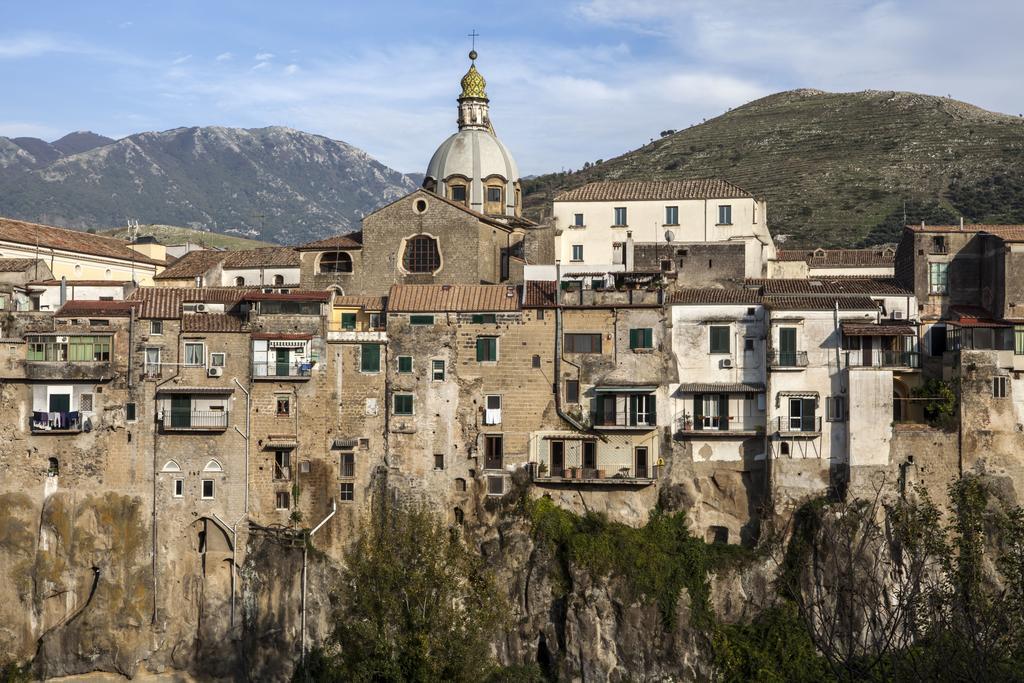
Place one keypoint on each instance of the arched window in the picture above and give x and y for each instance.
(336, 262)
(171, 466)
(213, 466)
(421, 255)
(278, 280)
(239, 281)
(460, 484)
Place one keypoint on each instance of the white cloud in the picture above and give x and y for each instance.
(264, 56)
(181, 60)
(291, 69)
(225, 57)
(32, 45)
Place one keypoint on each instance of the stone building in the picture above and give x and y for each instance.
(263, 267)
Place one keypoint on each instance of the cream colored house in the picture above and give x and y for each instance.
(79, 255)
(593, 222)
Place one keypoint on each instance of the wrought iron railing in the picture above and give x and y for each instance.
(879, 358)
(787, 359)
(195, 419)
(272, 369)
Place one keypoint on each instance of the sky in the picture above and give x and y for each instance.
(569, 82)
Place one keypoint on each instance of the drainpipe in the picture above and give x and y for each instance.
(305, 553)
(558, 351)
(248, 401)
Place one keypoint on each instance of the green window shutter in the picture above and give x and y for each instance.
(723, 412)
(348, 321)
(633, 339)
(405, 363)
(652, 412)
(698, 411)
(370, 358)
(477, 318)
(648, 338)
(481, 352)
(633, 400)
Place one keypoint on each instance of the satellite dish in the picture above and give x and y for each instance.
(669, 236)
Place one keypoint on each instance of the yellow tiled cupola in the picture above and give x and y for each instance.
(473, 84)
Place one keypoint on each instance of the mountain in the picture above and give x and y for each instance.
(839, 169)
(172, 234)
(276, 183)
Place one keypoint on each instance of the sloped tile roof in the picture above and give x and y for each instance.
(1008, 233)
(820, 303)
(211, 322)
(191, 264)
(110, 309)
(540, 293)
(82, 283)
(714, 296)
(16, 265)
(720, 388)
(840, 258)
(855, 329)
(452, 298)
(367, 303)
(49, 237)
(992, 228)
(198, 262)
(165, 302)
(829, 286)
(640, 190)
(291, 295)
(352, 240)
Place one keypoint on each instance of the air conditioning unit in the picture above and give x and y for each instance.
(200, 308)
(725, 363)
(897, 315)
(214, 372)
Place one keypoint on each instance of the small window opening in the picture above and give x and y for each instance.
(54, 469)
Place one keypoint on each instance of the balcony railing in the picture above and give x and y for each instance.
(711, 425)
(792, 425)
(883, 359)
(625, 419)
(272, 370)
(626, 474)
(787, 359)
(334, 326)
(196, 420)
(58, 422)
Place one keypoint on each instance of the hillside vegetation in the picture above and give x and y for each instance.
(173, 234)
(838, 169)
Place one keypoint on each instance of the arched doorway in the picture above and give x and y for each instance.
(900, 405)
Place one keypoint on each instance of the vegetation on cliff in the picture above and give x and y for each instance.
(838, 169)
(414, 604)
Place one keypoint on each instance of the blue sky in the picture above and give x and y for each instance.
(569, 81)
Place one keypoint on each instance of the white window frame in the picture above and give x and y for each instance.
(836, 408)
(669, 211)
(577, 221)
(576, 249)
(151, 367)
(192, 342)
(277, 500)
(938, 285)
(725, 212)
(213, 359)
(1000, 386)
(351, 486)
(434, 370)
(492, 416)
(616, 223)
(156, 328)
(213, 489)
(178, 488)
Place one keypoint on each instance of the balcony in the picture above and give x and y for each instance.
(69, 371)
(299, 371)
(781, 360)
(705, 426)
(624, 407)
(796, 427)
(883, 359)
(622, 419)
(627, 475)
(336, 331)
(195, 421)
(56, 422)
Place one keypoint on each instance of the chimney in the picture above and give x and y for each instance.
(961, 222)
(63, 289)
(627, 257)
(199, 281)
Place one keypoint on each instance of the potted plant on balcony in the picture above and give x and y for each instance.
(542, 469)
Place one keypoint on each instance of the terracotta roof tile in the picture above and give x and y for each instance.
(16, 265)
(291, 295)
(993, 228)
(81, 307)
(367, 303)
(840, 258)
(49, 237)
(82, 283)
(540, 293)
(165, 302)
(452, 298)
(820, 303)
(352, 240)
(211, 322)
(830, 287)
(714, 296)
(196, 263)
(855, 329)
(639, 190)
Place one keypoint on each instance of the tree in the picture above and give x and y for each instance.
(415, 604)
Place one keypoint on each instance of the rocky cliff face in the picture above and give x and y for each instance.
(288, 185)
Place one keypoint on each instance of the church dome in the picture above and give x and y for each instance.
(472, 166)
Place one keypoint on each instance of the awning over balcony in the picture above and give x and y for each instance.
(214, 391)
(280, 441)
(720, 388)
(876, 330)
(626, 389)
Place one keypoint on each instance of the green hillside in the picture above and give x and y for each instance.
(839, 169)
(172, 234)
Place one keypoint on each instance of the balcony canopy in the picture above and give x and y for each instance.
(720, 388)
(626, 389)
(876, 330)
(213, 391)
